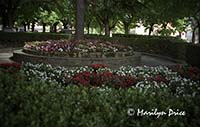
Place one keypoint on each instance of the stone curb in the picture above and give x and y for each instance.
(112, 62)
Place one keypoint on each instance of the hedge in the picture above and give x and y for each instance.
(145, 36)
(18, 39)
(193, 54)
(167, 46)
(38, 104)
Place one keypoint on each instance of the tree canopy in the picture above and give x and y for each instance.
(103, 15)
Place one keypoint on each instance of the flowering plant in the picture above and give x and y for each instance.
(68, 47)
(97, 66)
(10, 67)
(143, 78)
(187, 71)
(104, 78)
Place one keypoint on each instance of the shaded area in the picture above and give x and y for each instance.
(155, 61)
(6, 54)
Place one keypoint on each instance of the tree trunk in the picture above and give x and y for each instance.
(65, 25)
(55, 27)
(88, 28)
(194, 35)
(198, 26)
(10, 20)
(4, 22)
(7, 20)
(179, 34)
(44, 27)
(126, 28)
(33, 27)
(100, 29)
(80, 9)
(151, 28)
(51, 28)
(107, 29)
(24, 27)
(28, 26)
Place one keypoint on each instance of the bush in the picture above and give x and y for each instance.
(167, 46)
(19, 39)
(193, 55)
(39, 104)
(170, 47)
(35, 102)
(145, 36)
(96, 75)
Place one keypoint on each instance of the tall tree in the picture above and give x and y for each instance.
(80, 11)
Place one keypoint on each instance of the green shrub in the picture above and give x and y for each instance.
(19, 39)
(39, 104)
(165, 46)
(161, 45)
(145, 36)
(193, 55)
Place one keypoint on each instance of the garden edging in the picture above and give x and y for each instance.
(113, 62)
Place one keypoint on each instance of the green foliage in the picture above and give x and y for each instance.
(38, 104)
(193, 55)
(19, 39)
(66, 11)
(106, 14)
(165, 46)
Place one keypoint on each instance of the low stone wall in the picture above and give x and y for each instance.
(112, 62)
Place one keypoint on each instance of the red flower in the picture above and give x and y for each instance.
(160, 78)
(97, 66)
(191, 69)
(11, 67)
(106, 78)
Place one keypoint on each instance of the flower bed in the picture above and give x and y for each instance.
(84, 48)
(42, 95)
(125, 77)
(36, 103)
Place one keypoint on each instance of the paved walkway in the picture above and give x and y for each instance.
(155, 61)
(5, 55)
(147, 60)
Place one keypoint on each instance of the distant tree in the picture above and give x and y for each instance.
(8, 10)
(128, 12)
(193, 11)
(11, 9)
(65, 10)
(43, 18)
(106, 13)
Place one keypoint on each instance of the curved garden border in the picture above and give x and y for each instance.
(112, 62)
